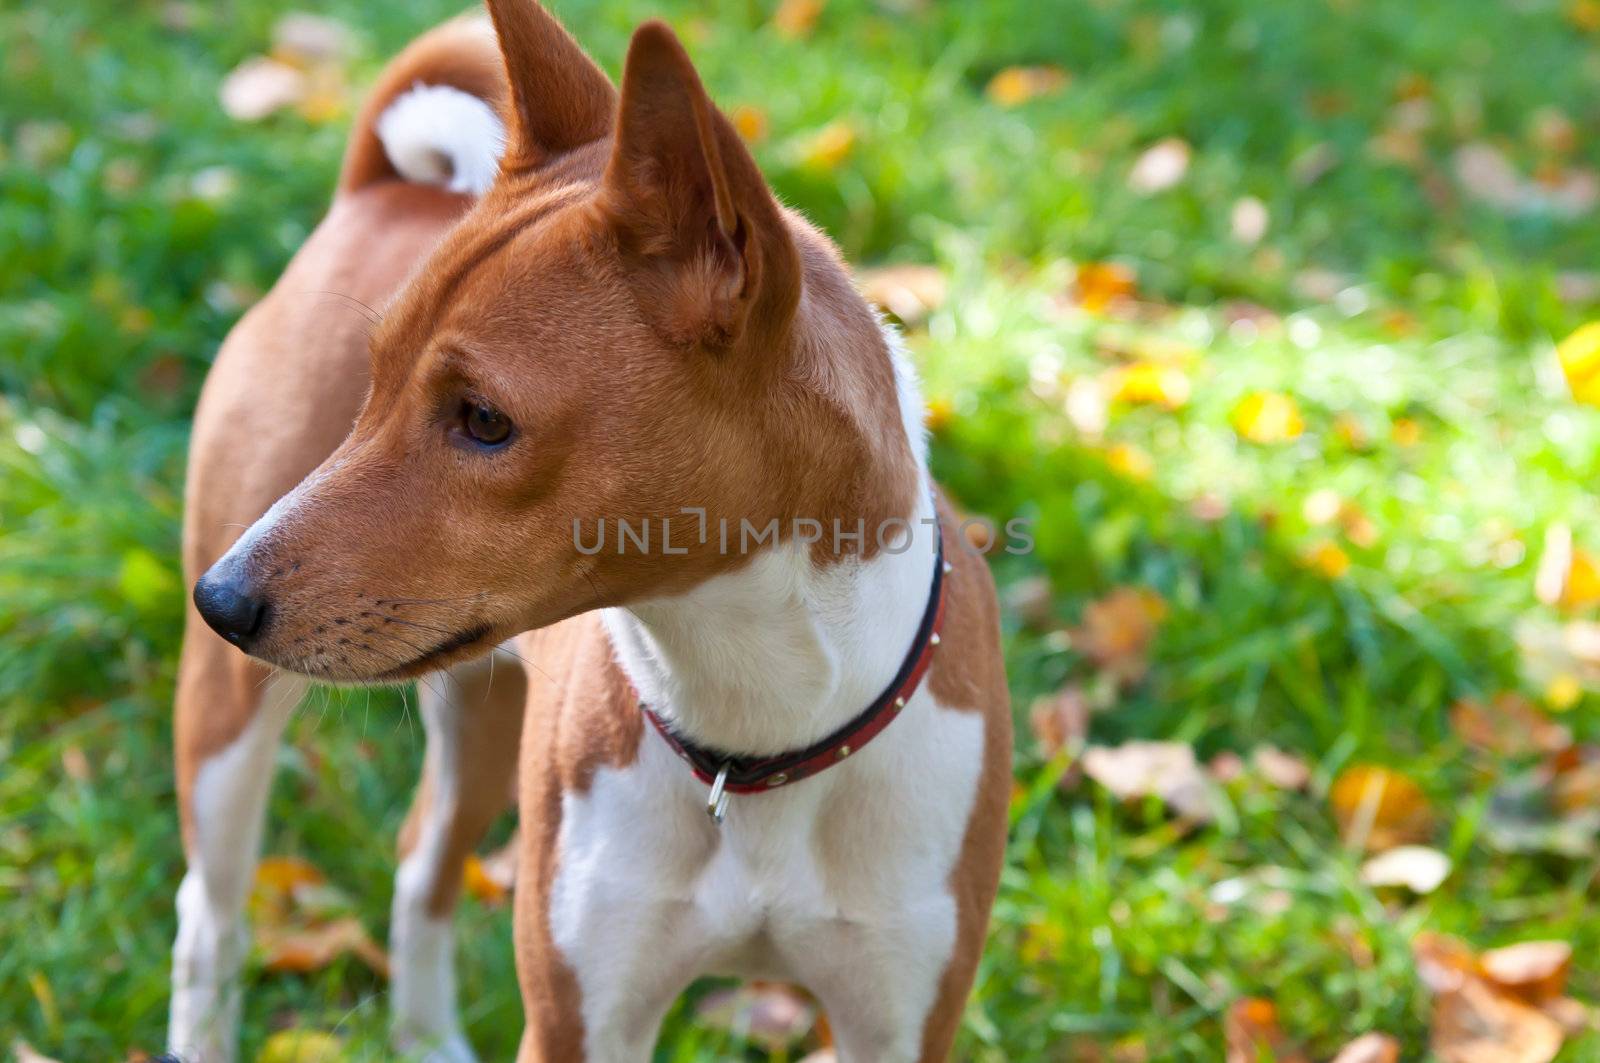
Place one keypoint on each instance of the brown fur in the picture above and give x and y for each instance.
(657, 328)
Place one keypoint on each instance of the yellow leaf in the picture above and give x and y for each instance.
(1251, 1032)
(304, 948)
(1101, 284)
(1584, 14)
(1016, 85)
(1379, 808)
(301, 1046)
(1563, 692)
(751, 122)
(1153, 383)
(1042, 942)
(1406, 432)
(482, 885)
(1268, 417)
(941, 411)
(1579, 355)
(797, 18)
(1129, 461)
(829, 147)
(1328, 559)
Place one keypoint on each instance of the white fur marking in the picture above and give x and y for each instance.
(439, 135)
(422, 945)
(841, 883)
(229, 804)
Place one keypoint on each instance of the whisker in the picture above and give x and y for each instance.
(373, 317)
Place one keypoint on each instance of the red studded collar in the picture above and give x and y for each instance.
(728, 774)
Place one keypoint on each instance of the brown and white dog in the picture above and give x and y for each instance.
(624, 326)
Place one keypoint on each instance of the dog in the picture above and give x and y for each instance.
(626, 425)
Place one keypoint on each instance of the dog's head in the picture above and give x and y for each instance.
(615, 332)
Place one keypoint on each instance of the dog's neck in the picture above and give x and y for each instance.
(782, 651)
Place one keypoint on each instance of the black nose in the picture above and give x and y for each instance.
(228, 606)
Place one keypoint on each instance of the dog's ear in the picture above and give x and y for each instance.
(702, 234)
(560, 99)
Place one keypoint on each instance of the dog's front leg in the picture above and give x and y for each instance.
(230, 717)
(473, 717)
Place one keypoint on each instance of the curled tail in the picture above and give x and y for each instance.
(435, 115)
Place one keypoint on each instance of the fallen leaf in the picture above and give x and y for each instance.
(1406, 431)
(828, 148)
(1251, 1033)
(1031, 599)
(1487, 175)
(1523, 817)
(1282, 770)
(1160, 167)
(304, 39)
(478, 882)
(1370, 1048)
(1152, 383)
(1533, 971)
(1016, 85)
(1101, 285)
(751, 122)
(1328, 559)
(1165, 770)
(1117, 631)
(940, 413)
(1129, 461)
(1248, 221)
(1579, 355)
(1509, 724)
(259, 86)
(1475, 1024)
(771, 1014)
(1415, 867)
(1568, 577)
(301, 1046)
(76, 764)
(909, 292)
(1268, 417)
(304, 948)
(1584, 14)
(797, 18)
(1060, 720)
(1377, 808)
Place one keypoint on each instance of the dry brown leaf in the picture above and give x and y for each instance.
(771, 1014)
(23, 1052)
(1475, 1024)
(1060, 721)
(1016, 85)
(304, 948)
(1166, 770)
(1378, 808)
(828, 148)
(1534, 971)
(909, 292)
(304, 39)
(1415, 867)
(1370, 1048)
(1509, 724)
(751, 122)
(259, 86)
(1251, 1032)
(1160, 166)
(1117, 631)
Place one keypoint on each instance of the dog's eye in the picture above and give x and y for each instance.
(485, 424)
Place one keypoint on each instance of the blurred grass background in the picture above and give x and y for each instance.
(1418, 232)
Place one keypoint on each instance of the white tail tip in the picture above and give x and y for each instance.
(439, 135)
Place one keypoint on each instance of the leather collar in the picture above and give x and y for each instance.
(727, 773)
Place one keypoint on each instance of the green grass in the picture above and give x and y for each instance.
(120, 273)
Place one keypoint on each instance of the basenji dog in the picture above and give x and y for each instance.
(623, 423)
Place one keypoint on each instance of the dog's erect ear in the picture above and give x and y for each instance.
(695, 220)
(560, 99)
